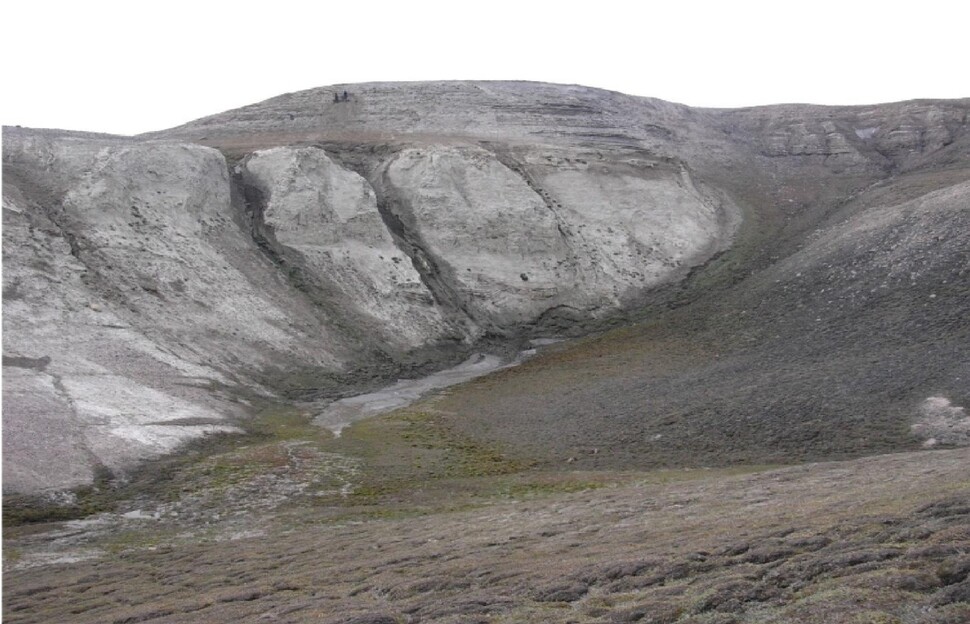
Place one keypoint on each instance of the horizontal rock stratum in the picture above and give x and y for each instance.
(309, 246)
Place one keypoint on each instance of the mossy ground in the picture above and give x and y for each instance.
(847, 542)
(407, 462)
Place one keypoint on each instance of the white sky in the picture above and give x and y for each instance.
(129, 67)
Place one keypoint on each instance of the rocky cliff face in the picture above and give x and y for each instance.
(304, 247)
(128, 292)
(323, 221)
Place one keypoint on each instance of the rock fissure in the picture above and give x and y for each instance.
(287, 260)
(424, 262)
(552, 319)
(71, 239)
(562, 226)
(254, 205)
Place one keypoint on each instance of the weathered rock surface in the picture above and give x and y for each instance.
(486, 237)
(149, 286)
(324, 219)
(552, 232)
(632, 223)
(439, 112)
(128, 292)
(175, 277)
(83, 387)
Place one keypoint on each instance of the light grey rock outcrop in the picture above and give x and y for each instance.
(487, 238)
(633, 224)
(550, 229)
(83, 387)
(129, 292)
(324, 219)
(893, 137)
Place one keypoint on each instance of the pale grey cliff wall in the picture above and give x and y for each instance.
(551, 228)
(101, 366)
(324, 219)
(130, 291)
(491, 238)
(135, 279)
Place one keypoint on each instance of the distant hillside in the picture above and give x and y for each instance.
(799, 273)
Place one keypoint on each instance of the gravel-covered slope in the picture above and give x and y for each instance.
(837, 350)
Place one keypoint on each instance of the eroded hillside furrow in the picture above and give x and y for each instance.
(285, 260)
(321, 223)
(434, 273)
(551, 203)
